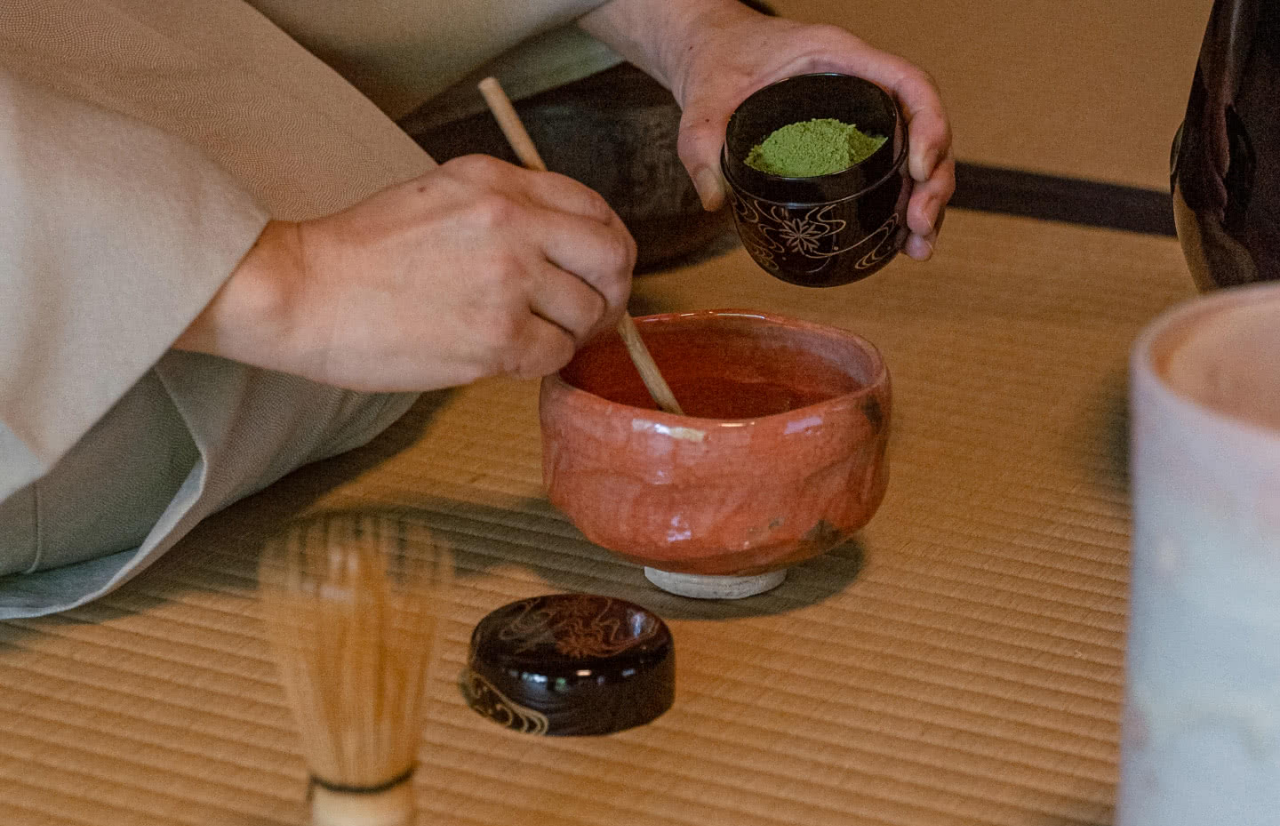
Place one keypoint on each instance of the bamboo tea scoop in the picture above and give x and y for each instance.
(520, 141)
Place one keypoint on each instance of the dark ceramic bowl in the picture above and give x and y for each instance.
(830, 229)
(615, 132)
(1226, 157)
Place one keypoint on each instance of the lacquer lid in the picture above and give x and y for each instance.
(570, 664)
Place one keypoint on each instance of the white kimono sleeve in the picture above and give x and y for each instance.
(113, 236)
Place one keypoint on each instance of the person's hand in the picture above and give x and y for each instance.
(714, 53)
(475, 269)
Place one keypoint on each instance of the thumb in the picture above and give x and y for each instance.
(701, 139)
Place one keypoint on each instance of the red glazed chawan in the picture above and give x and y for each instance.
(781, 455)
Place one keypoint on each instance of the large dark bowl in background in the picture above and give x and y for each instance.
(827, 230)
(1226, 157)
(616, 132)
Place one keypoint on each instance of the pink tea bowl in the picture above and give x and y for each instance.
(779, 458)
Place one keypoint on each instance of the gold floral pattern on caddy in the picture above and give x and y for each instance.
(581, 628)
(773, 230)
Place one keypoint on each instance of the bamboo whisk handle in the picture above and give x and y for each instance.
(391, 807)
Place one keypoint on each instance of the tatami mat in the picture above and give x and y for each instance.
(1086, 89)
(960, 663)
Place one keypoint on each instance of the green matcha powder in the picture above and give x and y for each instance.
(809, 148)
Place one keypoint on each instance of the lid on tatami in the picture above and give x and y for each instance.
(571, 664)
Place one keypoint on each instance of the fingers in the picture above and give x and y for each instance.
(915, 90)
(602, 256)
(530, 330)
(701, 139)
(581, 235)
(931, 163)
(927, 124)
(568, 302)
(709, 185)
(543, 347)
(927, 208)
(921, 247)
(929, 198)
(565, 227)
(818, 48)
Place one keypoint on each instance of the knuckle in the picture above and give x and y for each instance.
(510, 281)
(500, 338)
(505, 269)
(947, 138)
(690, 137)
(501, 283)
(475, 370)
(561, 355)
(943, 182)
(633, 251)
(618, 259)
(505, 324)
(523, 368)
(473, 166)
(830, 33)
(529, 351)
(619, 252)
(948, 188)
(822, 39)
(520, 363)
(557, 187)
(494, 211)
(597, 304)
(620, 293)
(598, 206)
(555, 354)
(515, 365)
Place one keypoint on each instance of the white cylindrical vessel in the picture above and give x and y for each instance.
(1201, 732)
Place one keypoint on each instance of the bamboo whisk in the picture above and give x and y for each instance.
(347, 599)
(522, 144)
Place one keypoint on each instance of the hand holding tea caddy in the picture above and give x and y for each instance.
(713, 54)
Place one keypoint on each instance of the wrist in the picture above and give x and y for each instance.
(659, 36)
(248, 318)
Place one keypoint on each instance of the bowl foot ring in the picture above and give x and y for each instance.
(714, 587)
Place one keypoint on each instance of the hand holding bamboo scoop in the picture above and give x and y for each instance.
(525, 150)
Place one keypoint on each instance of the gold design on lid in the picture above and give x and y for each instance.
(581, 627)
(485, 698)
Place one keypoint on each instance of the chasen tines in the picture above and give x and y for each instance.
(349, 603)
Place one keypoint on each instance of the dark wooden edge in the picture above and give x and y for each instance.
(1072, 200)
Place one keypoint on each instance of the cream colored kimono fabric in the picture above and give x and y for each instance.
(143, 146)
